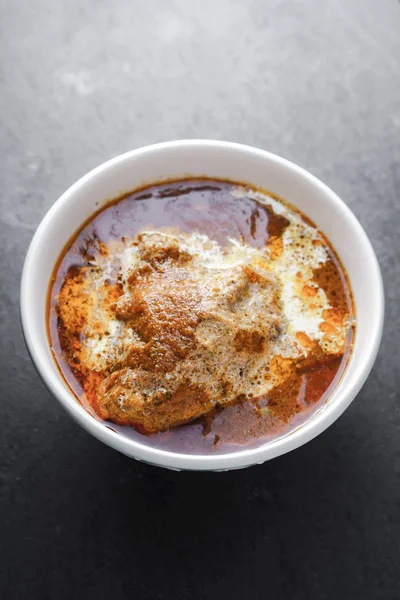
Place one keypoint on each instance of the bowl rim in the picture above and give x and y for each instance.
(219, 462)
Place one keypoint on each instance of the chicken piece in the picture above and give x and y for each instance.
(203, 337)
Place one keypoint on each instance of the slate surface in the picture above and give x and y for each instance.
(317, 82)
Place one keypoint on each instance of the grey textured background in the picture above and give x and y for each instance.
(317, 81)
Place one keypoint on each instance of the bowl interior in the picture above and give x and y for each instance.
(221, 160)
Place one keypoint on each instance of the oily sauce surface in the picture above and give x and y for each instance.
(209, 207)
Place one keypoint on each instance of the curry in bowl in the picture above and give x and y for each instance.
(200, 316)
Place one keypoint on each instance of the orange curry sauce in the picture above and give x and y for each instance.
(208, 207)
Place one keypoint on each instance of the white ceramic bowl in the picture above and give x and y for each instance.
(227, 161)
